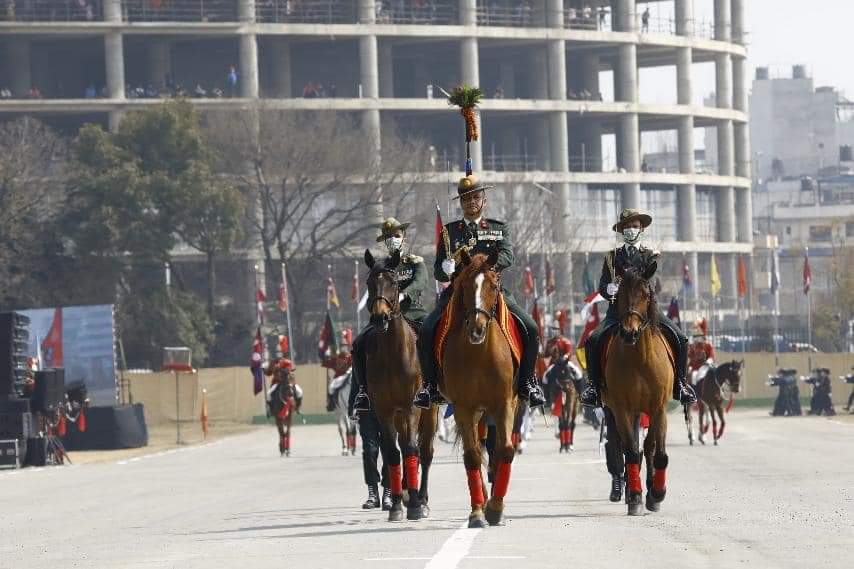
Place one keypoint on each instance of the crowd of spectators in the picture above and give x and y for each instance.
(50, 10)
(587, 18)
(314, 90)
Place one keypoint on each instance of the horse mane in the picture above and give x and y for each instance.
(632, 277)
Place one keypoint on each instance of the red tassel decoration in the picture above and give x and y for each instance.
(475, 488)
(81, 421)
(633, 478)
(395, 473)
(411, 472)
(659, 480)
(61, 427)
(502, 480)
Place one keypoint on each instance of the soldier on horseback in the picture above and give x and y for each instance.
(413, 284)
(478, 235)
(631, 225)
(701, 354)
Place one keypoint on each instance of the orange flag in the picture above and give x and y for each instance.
(742, 277)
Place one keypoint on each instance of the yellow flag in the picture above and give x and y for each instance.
(715, 278)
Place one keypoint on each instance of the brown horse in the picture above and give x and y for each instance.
(639, 375)
(564, 377)
(284, 400)
(393, 378)
(710, 398)
(478, 370)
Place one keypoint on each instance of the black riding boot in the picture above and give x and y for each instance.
(616, 488)
(386, 500)
(530, 390)
(429, 394)
(682, 391)
(591, 397)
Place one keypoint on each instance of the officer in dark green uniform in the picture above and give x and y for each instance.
(480, 235)
(414, 287)
(631, 225)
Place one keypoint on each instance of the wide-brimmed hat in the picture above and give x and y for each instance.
(470, 184)
(389, 226)
(631, 214)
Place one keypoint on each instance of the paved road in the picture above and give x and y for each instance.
(776, 493)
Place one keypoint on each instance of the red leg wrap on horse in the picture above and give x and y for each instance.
(502, 480)
(481, 430)
(659, 480)
(633, 478)
(475, 488)
(411, 472)
(564, 437)
(395, 473)
(570, 436)
(287, 442)
(515, 438)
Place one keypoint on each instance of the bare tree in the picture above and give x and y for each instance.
(319, 187)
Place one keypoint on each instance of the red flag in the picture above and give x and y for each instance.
(550, 279)
(807, 271)
(260, 299)
(52, 344)
(283, 297)
(742, 277)
(562, 320)
(256, 361)
(538, 318)
(591, 310)
(439, 227)
(528, 282)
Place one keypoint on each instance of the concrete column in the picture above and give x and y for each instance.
(558, 142)
(507, 77)
(557, 70)
(159, 63)
(684, 88)
(470, 73)
(728, 269)
(280, 68)
(115, 61)
(726, 154)
(593, 146)
(246, 11)
(694, 267)
(686, 201)
(725, 214)
(590, 72)
(685, 136)
(626, 74)
(368, 66)
(18, 66)
(625, 15)
(685, 19)
(744, 215)
(740, 87)
(723, 80)
(723, 20)
(386, 70)
(114, 120)
(468, 12)
(630, 157)
(248, 66)
(367, 12)
(739, 32)
(554, 13)
(741, 136)
(112, 10)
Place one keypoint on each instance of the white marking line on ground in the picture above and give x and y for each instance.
(168, 452)
(511, 557)
(454, 549)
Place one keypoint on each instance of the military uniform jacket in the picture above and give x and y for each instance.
(483, 237)
(620, 259)
(414, 283)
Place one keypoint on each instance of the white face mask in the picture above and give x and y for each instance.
(394, 244)
(631, 235)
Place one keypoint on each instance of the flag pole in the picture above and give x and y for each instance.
(808, 290)
(358, 313)
(291, 339)
(776, 307)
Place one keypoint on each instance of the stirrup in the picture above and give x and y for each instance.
(531, 391)
(590, 397)
(422, 399)
(362, 403)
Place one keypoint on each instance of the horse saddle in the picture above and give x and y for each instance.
(510, 327)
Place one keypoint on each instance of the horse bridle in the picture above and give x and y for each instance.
(643, 317)
(394, 304)
(490, 315)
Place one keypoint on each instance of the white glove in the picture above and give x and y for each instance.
(612, 289)
(448, 266)
(400, 297)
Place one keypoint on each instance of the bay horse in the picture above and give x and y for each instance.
(393, 377)
(639, 376)
(710, 398)
(478, 372)
(565, 378)
(285, 398)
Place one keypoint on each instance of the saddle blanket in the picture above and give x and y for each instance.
(503, 317)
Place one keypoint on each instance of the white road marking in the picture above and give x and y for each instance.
(454, 549)
(478, 280)
(511, 557)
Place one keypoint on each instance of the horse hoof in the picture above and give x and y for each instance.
(396, 513)
(477, 521)
(413, 513)
(652, 504)
(716, 443)
(494, 517)
(570, 448)
(425, 511)
(691, 442)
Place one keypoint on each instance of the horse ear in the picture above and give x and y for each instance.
(492, 259)
(649, 272)
(369, 259)
(394, 260)
(465, 258)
